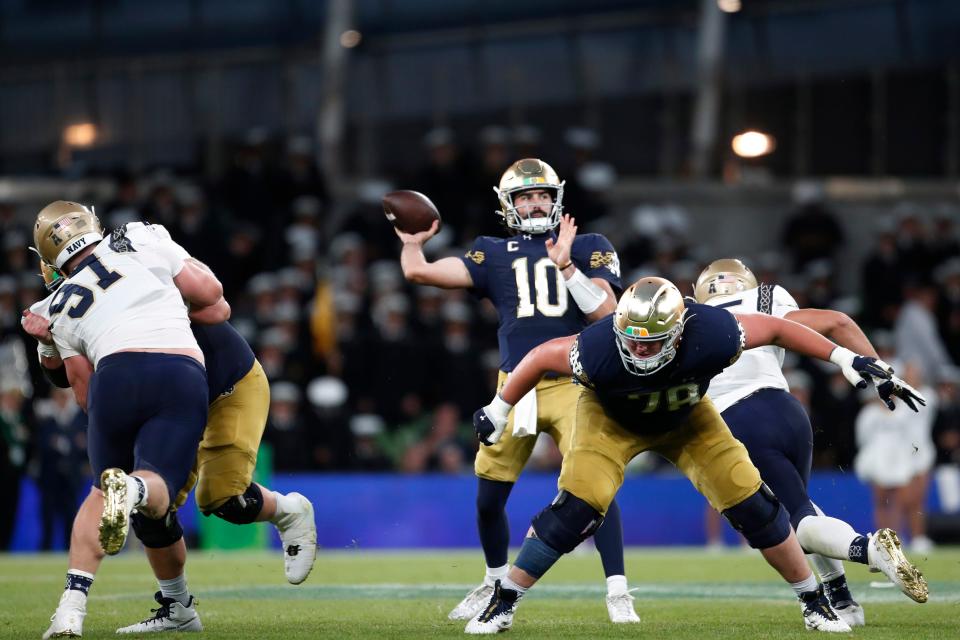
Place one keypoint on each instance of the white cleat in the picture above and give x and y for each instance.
(497, 615)
(473, 603)
(67, 620)
(620, 608)
(171, 616)
(851, 613)
(819, 615)
(885, 554)
(117, 506)
(298, 535)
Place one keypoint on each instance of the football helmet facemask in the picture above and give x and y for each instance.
(723, 277)
(650, 310)
(529, 173)
(62, 229)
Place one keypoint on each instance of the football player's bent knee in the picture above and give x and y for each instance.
(761, 519)
(242, 509)
(159, 533)
(567, 522)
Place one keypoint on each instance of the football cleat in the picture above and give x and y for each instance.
(171, 616)
(117, 505)
(471, 605)
(298, 535)
(67, 620)
(885, 554)
(497, 616)
(818, 615)
(620, 608)
(843, 603)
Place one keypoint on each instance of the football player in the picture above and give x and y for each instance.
(644, 373)
(754, 400)
(146, 398)
(544, 284)
(239, 401)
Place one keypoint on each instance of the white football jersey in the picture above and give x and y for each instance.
(117, 302)
(757, 368)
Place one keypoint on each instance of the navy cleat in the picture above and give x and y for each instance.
(819, 615)
(838, 592)
(497, 616)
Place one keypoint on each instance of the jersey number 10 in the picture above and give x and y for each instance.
(525, 304)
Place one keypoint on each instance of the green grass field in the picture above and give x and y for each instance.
(683, 593)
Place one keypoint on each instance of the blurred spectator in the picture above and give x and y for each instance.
(14, 443)
(895, 455)
(445, 178)
(196, 228)
(331, 438)
(917, 336)
(368, 455)
(948, 307)
(946, 436)
(62, 469)
(124, 207)
(882, 280)
(812, 231)
(286, 429)
(588, 179)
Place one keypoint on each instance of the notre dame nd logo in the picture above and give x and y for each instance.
(476, 256)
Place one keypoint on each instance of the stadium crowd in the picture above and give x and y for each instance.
(372, 374)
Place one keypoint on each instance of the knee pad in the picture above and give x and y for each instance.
(761, 519)
(567, 522)
(242, 509)
(159, 533)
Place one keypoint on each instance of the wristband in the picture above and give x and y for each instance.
(585, 292)
(566, 266)
(47, 350)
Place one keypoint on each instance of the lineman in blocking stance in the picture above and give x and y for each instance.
(530, 277)
(754, 400)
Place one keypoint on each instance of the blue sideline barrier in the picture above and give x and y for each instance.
(386, 511)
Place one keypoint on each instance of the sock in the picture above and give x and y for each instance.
(536, 557)
(496, 573)
(857, 551)
(825, 535)
(837, 589)
(826, 568)
(804, 586)
(616, 585)
(137, 488)
(507, 583)
(286, 505)
(175, 588)
(78, 583)
(492, 520)
(609, 542)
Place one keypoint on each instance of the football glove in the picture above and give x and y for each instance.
(490, 421)
(859, 369)
(900, 389)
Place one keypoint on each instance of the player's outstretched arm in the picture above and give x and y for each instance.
(212, 314)
(761, 330)
(198, 285)
(446, 273)
(837, 326)
(551, 356)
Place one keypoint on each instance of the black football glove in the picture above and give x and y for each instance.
(895, 387)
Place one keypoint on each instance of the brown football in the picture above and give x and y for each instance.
(409, 211)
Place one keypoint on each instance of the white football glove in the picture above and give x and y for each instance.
(490, 421)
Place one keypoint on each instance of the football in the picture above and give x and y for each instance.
(409, 211)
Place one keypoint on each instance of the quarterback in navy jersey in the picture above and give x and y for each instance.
(755, 402)
(644, 372)
(546, 282)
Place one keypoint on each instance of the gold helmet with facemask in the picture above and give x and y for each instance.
(529, 173)
(650, 310)
(724, 277)
(62, 230)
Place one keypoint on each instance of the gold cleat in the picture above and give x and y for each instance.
(114, 523)
(886, 554)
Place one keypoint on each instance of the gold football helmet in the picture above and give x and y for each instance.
(650, 310)
(62, 229)
(529, 173)
(723, 277)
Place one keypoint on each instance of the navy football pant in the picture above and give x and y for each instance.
(146, 411)
(776, 431)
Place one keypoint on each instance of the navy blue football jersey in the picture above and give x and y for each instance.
(226, 355)
(712, 340)
(529, 291)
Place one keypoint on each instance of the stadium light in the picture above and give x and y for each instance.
(729, 6)
(83, 134)
(753, 144)
(350, 38)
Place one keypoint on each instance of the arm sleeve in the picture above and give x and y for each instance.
(596, 258)
(782, 302)
(476, 262)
